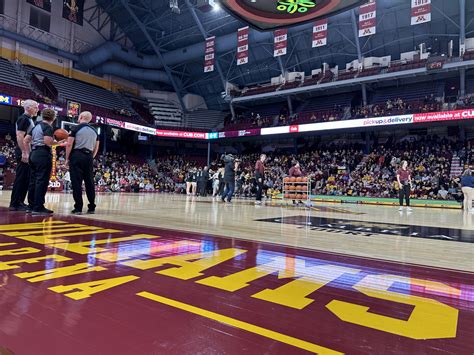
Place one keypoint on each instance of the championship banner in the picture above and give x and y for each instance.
(42, 4)
(243, 45)
(368, 19)
(73, 10)
(280, 42)
(320, 33)
(420, 11)
(209, 54)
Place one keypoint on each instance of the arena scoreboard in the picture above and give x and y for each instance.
(272, 14)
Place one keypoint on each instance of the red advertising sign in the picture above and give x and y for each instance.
(443, 116)
(180, 134)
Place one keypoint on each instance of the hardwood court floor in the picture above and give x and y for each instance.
(167, 274)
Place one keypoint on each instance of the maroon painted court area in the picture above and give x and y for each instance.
(36, 320)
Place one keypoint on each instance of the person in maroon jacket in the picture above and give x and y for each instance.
(259, 177)
(405, 185)
(295, 171)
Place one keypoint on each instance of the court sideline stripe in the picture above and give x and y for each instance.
(302, 344)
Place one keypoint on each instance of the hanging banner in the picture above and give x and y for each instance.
(368, 19)
(42, 4)
(243, 45)
(73, 10)
(320, 33)
(280, 42)
(209, 54)
(420, 11)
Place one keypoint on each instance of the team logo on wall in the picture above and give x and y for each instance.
(272, 14)
(42, 4)
(73, 10)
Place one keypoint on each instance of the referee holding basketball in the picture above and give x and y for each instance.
(41, 161)
(82, 147)
(24, 127)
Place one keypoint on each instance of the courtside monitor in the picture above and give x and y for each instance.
(272, 14)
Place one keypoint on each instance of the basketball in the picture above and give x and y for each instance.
(305, 196)
(292, 196)
(304, 179)
(292, 188)
(299, 179)
(287, 196)
(292, 179)
(61, 134)
(299, 196)
(287, 179)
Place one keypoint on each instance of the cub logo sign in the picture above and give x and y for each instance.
(268, 15)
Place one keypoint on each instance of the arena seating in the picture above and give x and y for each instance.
(70, 89)
(409, 93)
(12, 82)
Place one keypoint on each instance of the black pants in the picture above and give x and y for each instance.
(259, 186)
(202, 188)
(20, 186)
(404, 193)
(228, 190)
(41, 164)
(81, 168)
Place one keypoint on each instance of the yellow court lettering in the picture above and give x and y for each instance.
(429, 319)
(43, 275)
(309, 279)
(7, 244)
(19, 251)
(13, 264)
(86, 289)
(186, 268)
(87, 248)
(164, 247)
(28, 226)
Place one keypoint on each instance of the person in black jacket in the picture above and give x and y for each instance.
(203, 180)
(41, 161)
(231, 165)
(24, 126)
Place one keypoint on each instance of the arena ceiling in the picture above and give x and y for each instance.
(168, 31)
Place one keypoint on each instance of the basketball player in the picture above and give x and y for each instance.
(41, 161)
(82, 147)
(259, 177)
(24, 127)
(405, 185)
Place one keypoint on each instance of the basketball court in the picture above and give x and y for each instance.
(231, 278)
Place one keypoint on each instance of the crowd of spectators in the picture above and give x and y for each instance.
(334, 170)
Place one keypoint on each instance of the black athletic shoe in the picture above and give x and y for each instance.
(41, 212)
(76, 212)
(17, 209)
(29, 209)
(90, 211)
